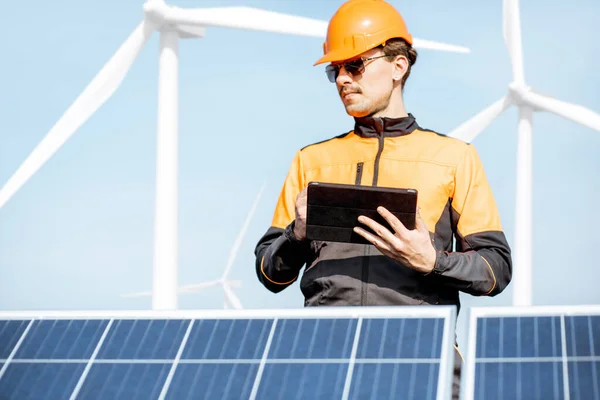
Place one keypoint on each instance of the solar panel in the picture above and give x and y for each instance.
(533, 353)
(321, 352)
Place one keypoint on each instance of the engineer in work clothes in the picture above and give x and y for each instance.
(370, 55)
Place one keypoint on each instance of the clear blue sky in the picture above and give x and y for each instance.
(80, 232)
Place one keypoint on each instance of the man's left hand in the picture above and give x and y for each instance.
(412, 248)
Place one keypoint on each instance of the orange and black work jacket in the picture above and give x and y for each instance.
(454, 200)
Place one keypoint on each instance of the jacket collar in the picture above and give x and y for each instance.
(384, 126)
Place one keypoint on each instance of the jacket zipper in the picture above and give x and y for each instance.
(365, 264)
(377, 157)
(359, 170)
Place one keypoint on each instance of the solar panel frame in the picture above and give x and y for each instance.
(447, 313)
(467, 391)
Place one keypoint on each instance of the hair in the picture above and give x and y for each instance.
(400, 47)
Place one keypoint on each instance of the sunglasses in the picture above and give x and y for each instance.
(353, 67)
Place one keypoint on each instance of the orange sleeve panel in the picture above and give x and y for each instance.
(482, 264)
(294, 183)
(473, 199)
(279, 255)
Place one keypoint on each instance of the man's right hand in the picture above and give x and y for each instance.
(300, 224)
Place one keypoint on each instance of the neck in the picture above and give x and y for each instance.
(375, 127)
(395, 108)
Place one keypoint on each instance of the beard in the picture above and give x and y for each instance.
(360, 108)
(363, 106)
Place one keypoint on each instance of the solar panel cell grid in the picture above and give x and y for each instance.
(303, 381)
(402, 381)
(412, 338)
(10, 333)
(314, 339)
(582, 339)
(218, 381)
(227, 339)
(40, 380)
(124, 381)
(582, 335)
(282, 356)
(518, 337)
(143, 339)
(61, 339)
(534, 353)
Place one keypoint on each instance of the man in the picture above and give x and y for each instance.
(370, 54)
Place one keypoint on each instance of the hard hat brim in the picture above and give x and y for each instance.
(339, 55)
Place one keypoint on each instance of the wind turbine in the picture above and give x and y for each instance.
(231, 300)
(527, 101)
(173, 23)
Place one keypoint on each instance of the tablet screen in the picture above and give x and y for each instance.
(333, 209)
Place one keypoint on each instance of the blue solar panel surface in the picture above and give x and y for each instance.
(303, 355)
(534, 353)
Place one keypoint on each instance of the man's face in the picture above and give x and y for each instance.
(369, 92)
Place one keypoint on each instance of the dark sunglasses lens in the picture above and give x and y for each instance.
(354, 67)
(332, 72)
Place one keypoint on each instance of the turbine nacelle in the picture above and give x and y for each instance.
(157, 14)
(517, 94)
(166, 17)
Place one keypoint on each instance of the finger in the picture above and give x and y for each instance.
(303, 195)
(394, 222)
(379, 229)
(420, 224)
(381, 244)
(303, 211)
(301, 202)
(302, 198)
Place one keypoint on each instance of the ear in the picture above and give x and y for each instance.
(400, 66)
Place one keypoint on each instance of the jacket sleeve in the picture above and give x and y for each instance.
(279, 255)
(482, 264)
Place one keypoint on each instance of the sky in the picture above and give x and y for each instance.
(79, 234)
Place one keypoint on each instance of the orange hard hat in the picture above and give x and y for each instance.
(360, 25)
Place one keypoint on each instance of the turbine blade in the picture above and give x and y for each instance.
(431, 45)
(573, 112)
(269, 21)
(474, 126)
(138, 294)
(95, 94)
(196, 287)
(512, 38)
(231, 298)
(247, 18)
(240, 237)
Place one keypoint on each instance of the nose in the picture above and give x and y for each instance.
(343, 77)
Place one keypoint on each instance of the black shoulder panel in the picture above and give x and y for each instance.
(327, 140)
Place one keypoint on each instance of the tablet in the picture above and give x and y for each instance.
(333, 209)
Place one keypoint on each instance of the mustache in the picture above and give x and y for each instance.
(349, 89)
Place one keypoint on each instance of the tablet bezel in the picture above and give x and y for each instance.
(327, 203)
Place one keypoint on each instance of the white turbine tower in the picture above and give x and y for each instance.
(173, 23)
(527, 101)
(231, 300)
